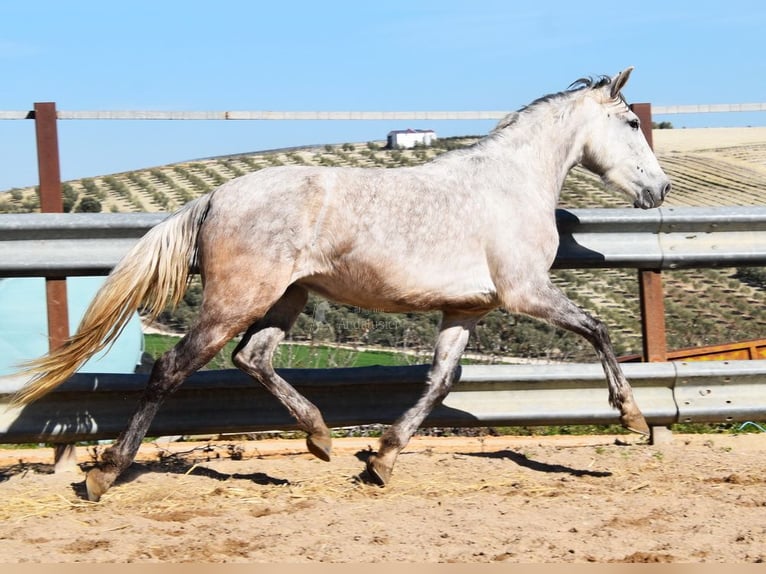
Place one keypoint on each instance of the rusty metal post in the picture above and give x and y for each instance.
(644, 113)
(651, 293)
(652, 303)
(51, 201)
(652, 297)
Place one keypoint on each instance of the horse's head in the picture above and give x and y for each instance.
(616, 149)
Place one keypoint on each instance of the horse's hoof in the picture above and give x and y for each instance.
(379, 473)
(635, 422)
(320, 446)
(97, 482)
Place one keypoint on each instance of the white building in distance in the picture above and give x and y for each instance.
(410, 138)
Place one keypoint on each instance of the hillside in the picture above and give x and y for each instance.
(708, 167)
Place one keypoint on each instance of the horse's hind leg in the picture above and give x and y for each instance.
(453, 337)
(215, 325)
(191, 353)
(254, 356)
(553, 305)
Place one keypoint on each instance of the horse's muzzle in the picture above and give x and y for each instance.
(649, 198)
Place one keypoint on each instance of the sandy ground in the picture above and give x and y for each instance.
(688, 140)
(700, 498)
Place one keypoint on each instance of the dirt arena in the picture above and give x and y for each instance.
(701, 498)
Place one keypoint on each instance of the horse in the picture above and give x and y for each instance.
(469, 231)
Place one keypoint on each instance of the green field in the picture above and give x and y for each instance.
(298, 356)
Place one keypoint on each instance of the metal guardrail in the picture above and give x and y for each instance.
(55, 244)
(665, 238)
(93, 406)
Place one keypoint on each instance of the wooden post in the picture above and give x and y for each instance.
(51, 201)
(652, 315)
(651, 293)
(652, 298)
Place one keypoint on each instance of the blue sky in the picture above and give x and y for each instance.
(346, 55)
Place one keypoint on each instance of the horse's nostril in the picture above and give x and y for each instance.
(648, 197)
(666, 190)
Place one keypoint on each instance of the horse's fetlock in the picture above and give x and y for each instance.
(110, 458)
(390, 441)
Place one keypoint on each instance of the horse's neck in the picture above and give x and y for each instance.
(536, 152)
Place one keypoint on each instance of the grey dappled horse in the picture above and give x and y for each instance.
(471, 230)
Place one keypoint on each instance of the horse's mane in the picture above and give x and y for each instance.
(587, 83)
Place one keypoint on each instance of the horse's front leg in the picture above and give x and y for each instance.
(453, 337)
(551, 304)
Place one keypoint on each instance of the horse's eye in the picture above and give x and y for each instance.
(633, 124)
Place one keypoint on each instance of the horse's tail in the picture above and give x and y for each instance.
(154, 271)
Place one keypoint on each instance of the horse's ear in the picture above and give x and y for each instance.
(619, 81)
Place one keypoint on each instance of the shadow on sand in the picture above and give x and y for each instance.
(526, 462)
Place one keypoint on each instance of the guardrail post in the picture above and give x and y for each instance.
(51, 201)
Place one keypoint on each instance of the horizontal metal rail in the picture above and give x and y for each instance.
(340, 115)
(260, 115)
(665, 238)
(94, 406)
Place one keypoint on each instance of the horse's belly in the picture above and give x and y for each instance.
(400, 291)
